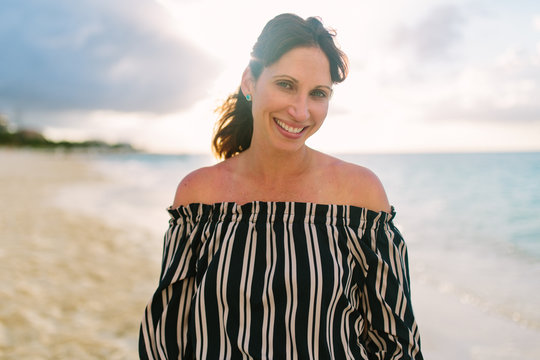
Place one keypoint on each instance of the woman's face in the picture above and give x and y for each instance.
(290, 98)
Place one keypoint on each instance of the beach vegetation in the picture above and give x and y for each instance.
(29, 138)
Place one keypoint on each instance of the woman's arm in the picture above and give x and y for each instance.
(391, 329)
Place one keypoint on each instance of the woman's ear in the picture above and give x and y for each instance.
(248, 84)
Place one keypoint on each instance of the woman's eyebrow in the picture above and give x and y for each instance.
(287, 76)
(296, 81)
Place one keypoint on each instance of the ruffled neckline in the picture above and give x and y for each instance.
(318, 212)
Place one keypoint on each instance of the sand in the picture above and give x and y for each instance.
(454, 327)
(74, 285)
(71, 287)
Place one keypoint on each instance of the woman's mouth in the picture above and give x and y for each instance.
(287, 128)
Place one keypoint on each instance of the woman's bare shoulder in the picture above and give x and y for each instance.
(199, 186)
(360, 186)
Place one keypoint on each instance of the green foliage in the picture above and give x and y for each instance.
(33, 139)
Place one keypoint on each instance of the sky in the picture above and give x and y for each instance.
(425, 75)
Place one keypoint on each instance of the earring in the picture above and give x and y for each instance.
(248, 97)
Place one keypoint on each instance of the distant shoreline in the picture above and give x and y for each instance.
(27, 138)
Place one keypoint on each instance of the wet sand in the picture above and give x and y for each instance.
(72, 287)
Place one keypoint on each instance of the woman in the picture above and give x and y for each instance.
(280, 251)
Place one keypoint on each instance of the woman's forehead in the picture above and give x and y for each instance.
(303, 63)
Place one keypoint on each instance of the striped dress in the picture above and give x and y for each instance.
(281, 280)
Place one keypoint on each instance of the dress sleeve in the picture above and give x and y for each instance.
(164, 328)
(391, 331)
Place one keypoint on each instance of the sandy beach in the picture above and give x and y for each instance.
(74, 285)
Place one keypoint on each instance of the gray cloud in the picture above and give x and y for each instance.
(433, 36)
(60, 55)
(496, 90)
(507, 92)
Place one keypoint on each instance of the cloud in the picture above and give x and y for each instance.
(505, 90)
(488, 113)
(536, 22)
(117, 55)
(491, 80)
(434, 36)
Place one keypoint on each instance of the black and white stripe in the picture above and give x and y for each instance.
(281, 280)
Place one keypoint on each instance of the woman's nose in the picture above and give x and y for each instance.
(298, 109)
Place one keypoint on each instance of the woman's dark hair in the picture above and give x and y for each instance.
(283, 33)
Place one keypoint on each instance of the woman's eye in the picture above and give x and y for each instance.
(284, 84)
(319, 93)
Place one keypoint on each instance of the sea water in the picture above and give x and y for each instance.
(471, 221)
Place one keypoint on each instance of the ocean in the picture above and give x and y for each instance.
(471, 221)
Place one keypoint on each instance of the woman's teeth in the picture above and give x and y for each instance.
(288, 128)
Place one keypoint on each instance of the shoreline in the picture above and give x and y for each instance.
(75, 282)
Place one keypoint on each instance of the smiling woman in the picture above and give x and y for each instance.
(234, 128)
(281, 251)
(290, 98)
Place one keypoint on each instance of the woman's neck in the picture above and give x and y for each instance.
(271, 165)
